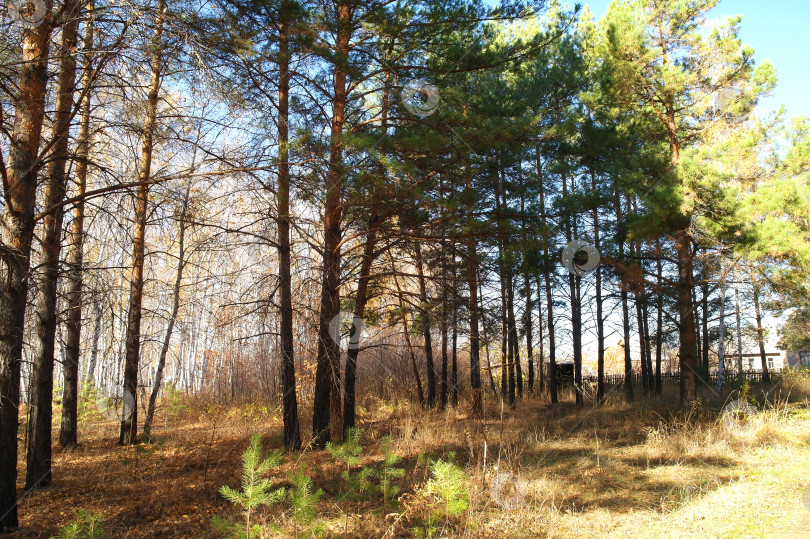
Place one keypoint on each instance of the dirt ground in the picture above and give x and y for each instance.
(642, 470)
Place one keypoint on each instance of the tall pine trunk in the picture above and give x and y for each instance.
(16, 232)
(766, 375)
(68, 434)
(573, 289)
(424, 308)
(528, 298)
(91, 363)
(326, 416)
(647, 346)
(292, 431)
(129, 413)
(659, 321)
(721, 340)
(507, 366)
(454, 344)
(38, 469)
(541, 358)
(628, 362)
(475, 360)
(507, 375)
(475, 344)
(514, 342)
(638, 298)
(705, 322)
(529, 345)
(443, 383)
(600, 323)
(686, 329)
(361, 299)
(552, 351)
(739, 329)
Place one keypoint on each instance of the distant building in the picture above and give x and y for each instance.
(797, 359)
(753, 362)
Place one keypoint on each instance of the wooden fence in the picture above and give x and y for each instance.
(669, 377)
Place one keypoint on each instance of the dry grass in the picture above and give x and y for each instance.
(640, 470)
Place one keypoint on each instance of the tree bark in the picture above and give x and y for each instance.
(552, 359)
(529, 344)
(16, 232)
(444, 381)
(739, 330)
(514, 343)
(472, 277)
(443, 384)
(454, 347)
(573, 289)
(647, 346)
(628, 361)
(637, 300)
(292, 431)
(600, 323)
(38, 469)
(68, 434)
(541, 359)
(528, 297)
(431, 369)
(507, 374)
(326, 416)
(659, 324)
(686, 330)
(721, 346)
(91, 363)
(642, 350)
(129, 415)
(507, 365)
(705, 322)
(488, 368)
(359, 313)
(475, 360)
(696, 316)
(766, 375)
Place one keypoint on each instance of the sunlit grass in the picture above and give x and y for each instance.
(641, 470)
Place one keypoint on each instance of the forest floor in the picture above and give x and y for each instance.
(640, 470)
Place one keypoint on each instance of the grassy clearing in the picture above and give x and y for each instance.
(641, 470)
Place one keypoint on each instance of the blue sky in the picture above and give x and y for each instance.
(778, 31)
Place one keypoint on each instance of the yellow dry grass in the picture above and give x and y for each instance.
(640, 470)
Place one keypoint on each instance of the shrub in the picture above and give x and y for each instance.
(256, 489)
(85, 525)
